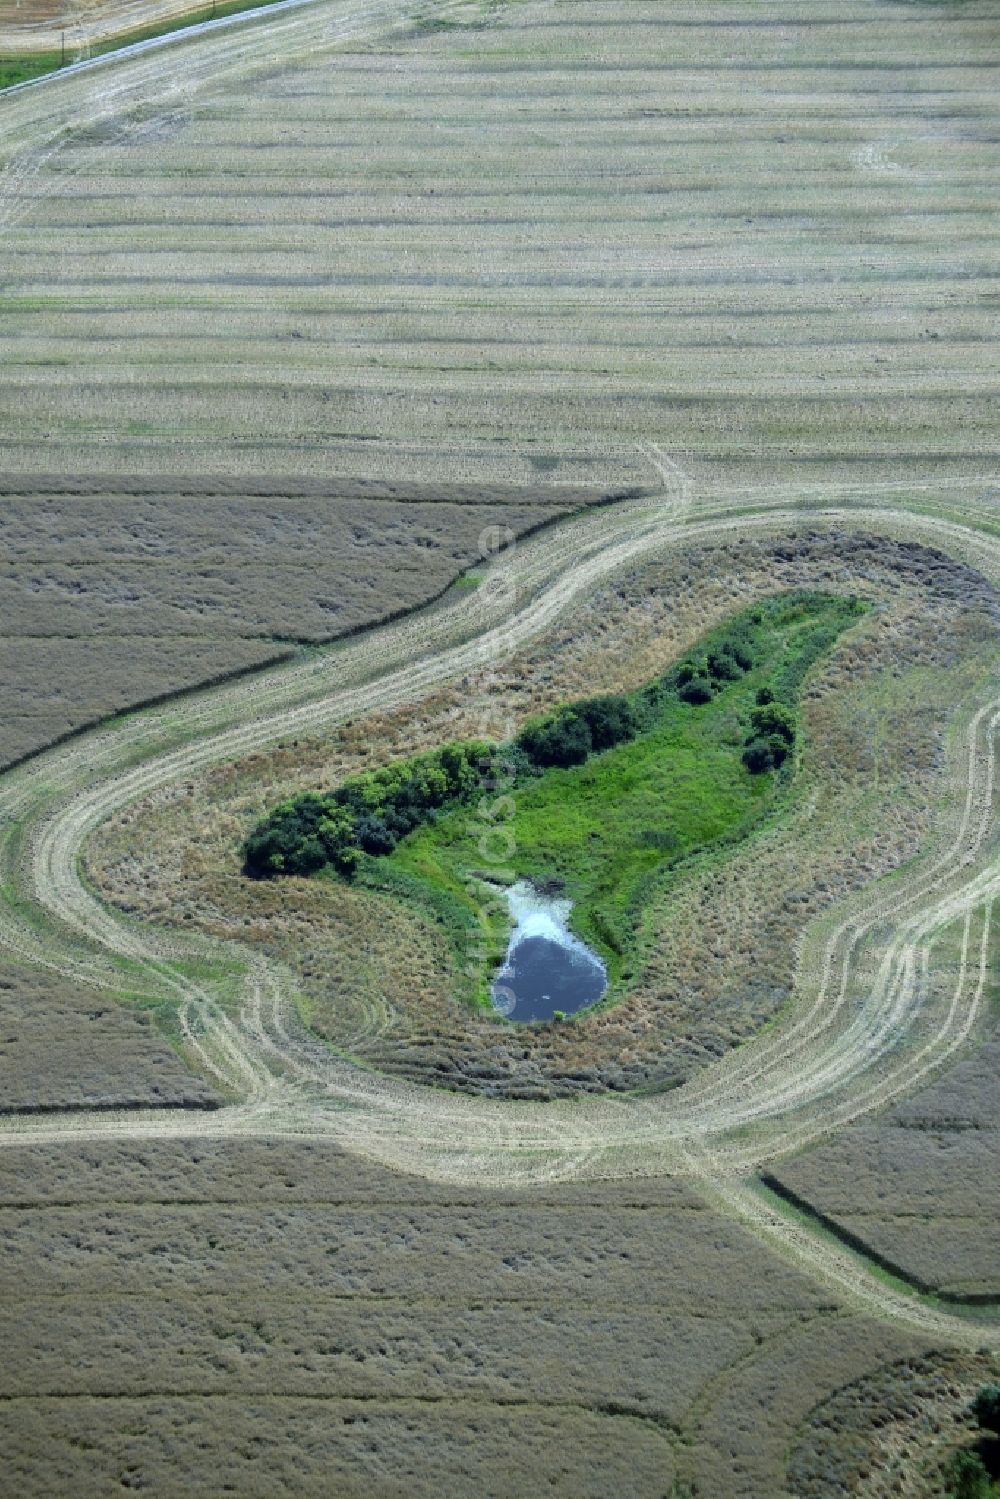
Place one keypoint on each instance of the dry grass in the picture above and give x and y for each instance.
(889, 1433)
(267, 1314)
(113, 596)
(65, 1047)
(918, 1187)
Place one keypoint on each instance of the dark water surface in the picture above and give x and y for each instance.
(542, 974)
(546, 968)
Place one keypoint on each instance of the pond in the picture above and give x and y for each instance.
(546, 968)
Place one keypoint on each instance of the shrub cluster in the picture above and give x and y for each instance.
(967, 1477)
(367, 814)
(698, 681)
(570, 736)
(986, 1408)
(771, 736)
(972, 1472)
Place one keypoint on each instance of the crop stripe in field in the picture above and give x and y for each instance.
(35, 130)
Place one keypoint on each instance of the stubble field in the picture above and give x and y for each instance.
(505, 232)
(917, 1187)
(266, 1315)
(123, 592)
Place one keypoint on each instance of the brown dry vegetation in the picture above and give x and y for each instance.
(718, 946)
(265, 1315)
(68, 1047)
(113, 595)
(889, 1433)
(918, 1188)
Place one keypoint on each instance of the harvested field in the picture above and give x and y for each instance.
(64, 1047)
(918, 1188)
(755, 240)
(277, 1311)
(114, 595)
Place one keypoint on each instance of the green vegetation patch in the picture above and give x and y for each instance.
(974, 1472)
(598, 800)
(23, 69)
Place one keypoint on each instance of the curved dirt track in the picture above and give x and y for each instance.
(845, 1047)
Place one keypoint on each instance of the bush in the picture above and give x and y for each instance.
(563, 740)
(779, 748)
(588, 727)
(986, 1408)
(758, 757)
(723, 666)
(966, 1477)
(371, 813)
(774, 719)
(696, 690)
(368, 814)
(611, 720)
(374, 836)
(741, 654)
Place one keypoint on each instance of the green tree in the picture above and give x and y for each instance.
(986, 1408)
(966, 1477)
(774, 718)
(696, 690)
(611, 720)
(758, 757)
(562, 740)
(779, 748)
(723, 666)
